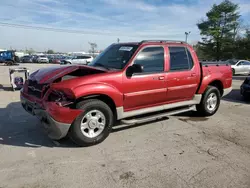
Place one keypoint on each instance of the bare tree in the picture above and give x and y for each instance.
(93, 47)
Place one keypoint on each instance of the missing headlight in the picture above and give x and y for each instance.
(60, 98)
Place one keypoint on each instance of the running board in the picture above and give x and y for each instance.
(156, 116)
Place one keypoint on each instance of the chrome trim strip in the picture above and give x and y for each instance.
(146, 92)
(121, 114)
(182, 87)
(227, 91)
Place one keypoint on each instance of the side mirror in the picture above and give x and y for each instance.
(135, 68)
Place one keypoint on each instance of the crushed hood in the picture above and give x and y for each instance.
(50, 74)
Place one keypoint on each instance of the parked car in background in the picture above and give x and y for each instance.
(239, 66)
(8, 57)
(50, 57)
(35, 59)
(83, 59)
(57, 60)
(27, 59)
(245, 88)
(42, 59)
(150, 78)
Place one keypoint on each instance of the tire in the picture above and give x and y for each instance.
(9, 63)
(90, 107)
(233, 72)
(204, 108)
(67, 63)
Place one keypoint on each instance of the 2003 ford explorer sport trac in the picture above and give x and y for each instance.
(125, 81)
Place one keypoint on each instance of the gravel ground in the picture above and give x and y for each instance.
(181, 151)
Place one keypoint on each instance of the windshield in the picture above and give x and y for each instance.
(232, 62)
(115, 56)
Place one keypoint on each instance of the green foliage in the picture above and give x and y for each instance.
(93, 47)
(30, 51)
(242, 46)
(219, 30)
(50, 51)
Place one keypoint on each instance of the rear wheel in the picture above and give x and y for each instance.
(93, 125)
(66, 63)
(9, 63)
(210, 102)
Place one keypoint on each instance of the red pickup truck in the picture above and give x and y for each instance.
(129, 82)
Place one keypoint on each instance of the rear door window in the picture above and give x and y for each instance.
(85, 57)
(180, 59)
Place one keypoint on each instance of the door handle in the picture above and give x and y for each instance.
(161, 78)
(193, 74)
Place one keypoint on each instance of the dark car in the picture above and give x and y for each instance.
(27, 59)
(35, 59)
(57, 59)
(245, 88)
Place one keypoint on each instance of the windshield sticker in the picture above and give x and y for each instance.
(126, 48)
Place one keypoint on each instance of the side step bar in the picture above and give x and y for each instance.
(156, 116)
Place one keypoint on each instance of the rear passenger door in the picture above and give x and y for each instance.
(81, 59)
(183, 76)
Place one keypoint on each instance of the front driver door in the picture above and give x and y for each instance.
(148, 88)
(246, 65)
(239, 68)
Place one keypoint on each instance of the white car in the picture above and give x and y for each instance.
(240, 66)
(82, 59)
(42, 59)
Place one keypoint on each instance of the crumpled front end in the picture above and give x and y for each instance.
(48, 95)
(56, 119)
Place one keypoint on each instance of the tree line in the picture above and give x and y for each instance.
(223, 34)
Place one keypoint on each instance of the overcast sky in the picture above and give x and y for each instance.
(130, 20)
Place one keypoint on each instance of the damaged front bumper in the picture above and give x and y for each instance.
(55, 119)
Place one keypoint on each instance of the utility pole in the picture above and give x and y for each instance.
(187, 34)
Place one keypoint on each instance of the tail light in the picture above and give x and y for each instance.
(25, 86)
(247, 81)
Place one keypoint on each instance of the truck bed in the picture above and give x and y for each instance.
(219, 73)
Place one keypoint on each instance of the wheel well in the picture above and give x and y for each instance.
(105, 98)
(218, 84)
(9, 60)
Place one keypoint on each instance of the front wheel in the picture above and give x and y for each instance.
(233, 72)
(210, 102)
(93, 125)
